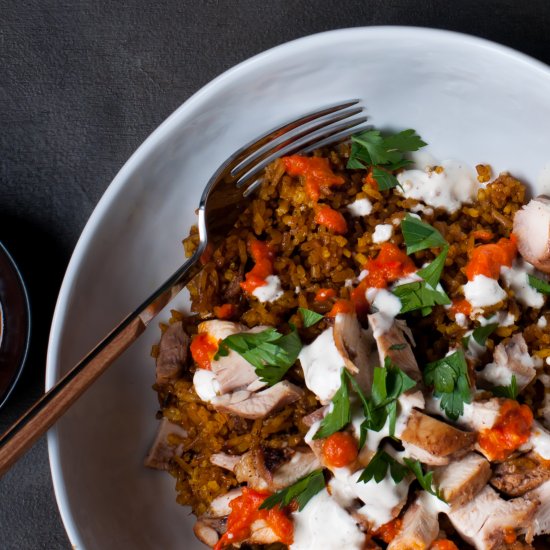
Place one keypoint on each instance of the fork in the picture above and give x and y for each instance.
(226, 195)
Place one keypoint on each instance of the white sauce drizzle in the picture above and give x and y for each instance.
(388, 306)
(461, 320)
(502, 318)
(322, 365)
(516, 278)
(269, 292)
(382, 233)
(483, 291)
(361, 207)
(540, 438)
(206, 385)
(449, 189)
(542, 322)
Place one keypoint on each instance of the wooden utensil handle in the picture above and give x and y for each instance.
(44, 413)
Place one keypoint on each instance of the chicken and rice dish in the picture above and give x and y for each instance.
(366, 363)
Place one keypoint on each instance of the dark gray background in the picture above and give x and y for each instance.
(82, 84)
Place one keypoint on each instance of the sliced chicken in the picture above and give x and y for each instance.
(484, 521)
(436, 437)
(416, 453)
(392, 343)
(206, 533)
(532, 229)
(167, 444)
(541, 521)
(172, 355)
(518, 475)
(481, 414)
(510, 359)
(420, 525)
(462, 479)
(225, 461)
(351, 343)
(258, 405)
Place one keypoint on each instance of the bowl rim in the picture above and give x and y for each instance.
(156, 137)
(16, 273)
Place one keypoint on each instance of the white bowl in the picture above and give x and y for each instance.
(470, 99)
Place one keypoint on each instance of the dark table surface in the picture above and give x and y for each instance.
(83, 83)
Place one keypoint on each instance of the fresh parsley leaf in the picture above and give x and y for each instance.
(372, 148)
(419, 295)
(449, 378)
(397, 347)
(384, 179)
(480, 334)
(302, 492)
(432, 272)
(511, 391)
(269, 352)
(377, 468)
(310, 317)
(425, 479)
(340, 415)
(539, 284)
(420, 235)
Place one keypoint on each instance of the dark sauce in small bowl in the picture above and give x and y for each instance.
(14, 324)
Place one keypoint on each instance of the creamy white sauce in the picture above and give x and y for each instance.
(313, 429)
(323, 523)
(422, 208)
(516, 278)
(474, 349)
(379, 499)
(362, 274)
(483, 291)
(502, 318)
(382, 233)
(449, 189)
(540, 438)
(269, 292)
(206, 385)
(361, 207)
(461, 320)
(373, 439)
(496, 374)
(387, 305)
(407, 402)
(542, 322)
(322, 365)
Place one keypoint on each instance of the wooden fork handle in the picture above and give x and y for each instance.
(49, 408)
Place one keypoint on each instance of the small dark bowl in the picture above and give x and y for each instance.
(15, 324)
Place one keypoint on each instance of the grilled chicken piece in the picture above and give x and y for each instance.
(516, 476)
(261, 472)
(484, 520)
(510, 359)
(258, 405)
(532, 229)
(353, 346)
(482, 414)
(462, 479)
(436, 437)
(541, 521)
(420, 525)
(167, 444)
(173, 350)
(392, 343)
(416, 453)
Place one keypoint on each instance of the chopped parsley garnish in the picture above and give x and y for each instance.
(377, 468)
(301, 492)
(423, 295)
(310, 317)
(269, 352)
(449, 378)
(340, 415)
(480, 334)
(420, 235)
(371, 148)
(425, 479)
(511, 391)
(539, 284)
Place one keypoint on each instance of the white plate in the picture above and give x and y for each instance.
(470, 99)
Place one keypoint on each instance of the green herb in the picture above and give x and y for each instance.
(432, 272)
(539, 284)
(480, 334)
(370, 148)
(511, 391)
(340, 415)
(310, 317)
(425, 479)
(397, 347)
(302, 492)
(378, 468)
(420, 235)
(269, 352)
(449, 377)
(419, 295)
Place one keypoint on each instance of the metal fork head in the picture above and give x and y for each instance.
(229, 191)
